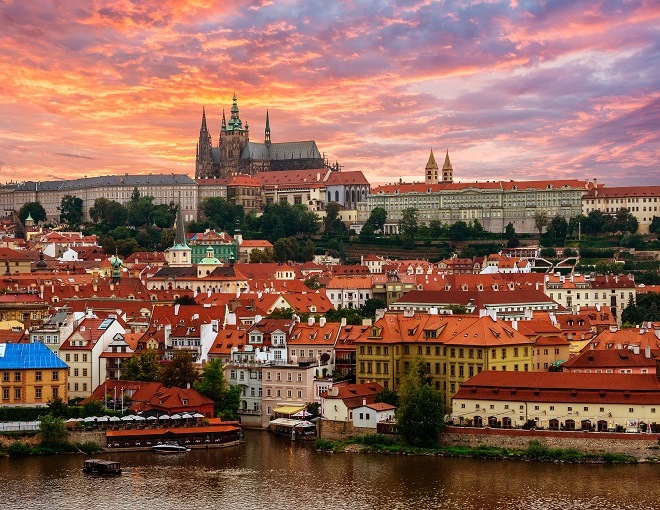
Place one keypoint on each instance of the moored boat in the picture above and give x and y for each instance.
(170, 447)
(102, 467)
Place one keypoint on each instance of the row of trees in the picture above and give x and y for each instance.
(645, 309)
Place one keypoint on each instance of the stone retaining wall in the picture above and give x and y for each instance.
(85, 436)
(334, 430)
(637, 445)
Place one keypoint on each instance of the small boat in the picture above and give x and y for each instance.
(101, 467)
(170, 447)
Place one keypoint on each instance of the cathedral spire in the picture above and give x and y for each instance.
(267, 138)
(431, 170)
(203, 158)
(447, 170)
(235, 121)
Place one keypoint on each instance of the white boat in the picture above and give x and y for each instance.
(170, 447)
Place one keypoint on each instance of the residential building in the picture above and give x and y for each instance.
(643, 202)
(349, 292)
(454, 348)
(560, 400)
(338, 403)
(81, 351)
(631, 360)
(370, 415)
(31, 375)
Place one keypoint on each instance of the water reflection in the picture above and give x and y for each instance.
(271, 472)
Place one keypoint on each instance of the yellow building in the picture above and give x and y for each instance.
(454, 348)
(31, 374)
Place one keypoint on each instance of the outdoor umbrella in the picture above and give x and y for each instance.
(115, 418)
(139, 418)
(128, 417)
(186, 416)
(90, 419)
(198, 415)
(151, 418)
(164, 417)
(175, 417)
(301, 414)
(103, 419)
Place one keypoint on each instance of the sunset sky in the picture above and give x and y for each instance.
(514, 90)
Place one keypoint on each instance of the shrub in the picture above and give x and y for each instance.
(88, 447)
(376, 440)
(537, 450)
(19, 449)
(324, 445)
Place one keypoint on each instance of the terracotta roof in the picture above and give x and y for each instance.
(339, 178)
(624, 192)
(561, 387)
(614, 358)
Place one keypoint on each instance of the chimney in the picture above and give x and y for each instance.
(514, 325)
(176, 309)
(364, 401)
(311, 321)
(613, 328)
(647, 352)
(656, 331)
(409, 312)
(433, 310)
(322, 321)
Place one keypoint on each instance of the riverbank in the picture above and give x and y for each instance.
(535, 450)
(26, 444)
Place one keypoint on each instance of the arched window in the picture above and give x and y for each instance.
(329, 196)
(337, 196)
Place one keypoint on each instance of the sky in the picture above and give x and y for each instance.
(514, 90)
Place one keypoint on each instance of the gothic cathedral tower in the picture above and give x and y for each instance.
(447, 170)
(204, 159)
(233, 139)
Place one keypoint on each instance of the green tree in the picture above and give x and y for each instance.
(286, 249)
(541, 220)
(221, 213)
(312, 282)
(265, 255)
(109, 213)
(509, 231)
(367, 231)
(71, 210)
(314, 409)
(180, 372)
(388, 396)
(331, 223)
(163, 215)
(370, 306)
(654, 227)
(281, 313)
(630, 314)
(145, 366)
(352, 315)
(34, 209)
(437, 229)
(92, 408)
(459, 231)
(308, 250)
(52, 430)
(624, 221)
(420, 416)
(58, 407)
(377, 219)
(140, 211)
(409, 223)
(212, 384)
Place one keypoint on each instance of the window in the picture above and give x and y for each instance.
(5, 393)
(552, 408)
(37, 375)
(299, 394)
(84, 372)
(5, 376)
(17, 393)
(288, 394)
(17, 377)
(56, 393)
(75, 387)
(84, 358)
(536, 408)
(75, 357)
(289, 376)
(631, 409)
(299, 377)
(586, 409)
(55, 376)
(75, 372)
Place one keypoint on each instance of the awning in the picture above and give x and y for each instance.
(288, 409)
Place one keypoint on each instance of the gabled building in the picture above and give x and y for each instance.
(82, 350)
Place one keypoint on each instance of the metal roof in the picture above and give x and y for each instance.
(28, 356)
(106, 180)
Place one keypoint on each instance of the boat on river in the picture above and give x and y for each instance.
(101, 467)
(170, 447)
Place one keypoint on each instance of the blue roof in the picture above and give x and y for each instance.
(33, 356)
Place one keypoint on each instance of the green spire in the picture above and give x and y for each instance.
(267, 140)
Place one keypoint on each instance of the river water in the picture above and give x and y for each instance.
(273, 472)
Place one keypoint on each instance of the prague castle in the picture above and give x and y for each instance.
(236, 154)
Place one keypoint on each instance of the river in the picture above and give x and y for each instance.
(273, 472)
